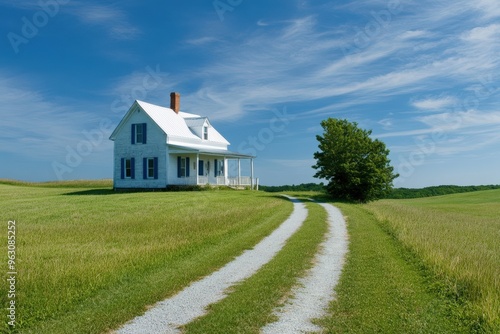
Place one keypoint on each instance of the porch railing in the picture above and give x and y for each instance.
(219, 180)
(239, 181)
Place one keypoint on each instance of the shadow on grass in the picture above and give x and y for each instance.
(92, 192)
(171, 189)
(301, 196)
(319, 197)
(107, 191)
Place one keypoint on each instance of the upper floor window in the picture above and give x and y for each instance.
(205, 132)
(139, 133)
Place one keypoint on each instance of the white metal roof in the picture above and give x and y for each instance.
(177, 126)
(171, 123)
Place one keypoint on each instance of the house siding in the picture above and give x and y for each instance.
(155, 147)
(173, 166)
(208, 169)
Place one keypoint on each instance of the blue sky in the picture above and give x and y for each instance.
(423, 75)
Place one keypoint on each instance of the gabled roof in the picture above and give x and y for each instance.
(177, 126)
(171, 123)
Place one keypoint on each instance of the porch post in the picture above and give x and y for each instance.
(197, 166)
(251, 174)
(239, 172)
(225, 171)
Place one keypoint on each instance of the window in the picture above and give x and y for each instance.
(182, 167)
(205, 132)
(128, 168)
(139, 133)
(218, 167)
(150, 168)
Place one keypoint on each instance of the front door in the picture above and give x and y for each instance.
(200, 168)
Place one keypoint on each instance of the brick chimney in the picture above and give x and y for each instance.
(175, 102)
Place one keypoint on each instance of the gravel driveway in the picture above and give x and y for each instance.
(315, 291)
(190, 303)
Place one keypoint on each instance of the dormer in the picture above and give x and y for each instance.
(200, 126)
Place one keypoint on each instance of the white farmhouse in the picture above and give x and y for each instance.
(155, 147)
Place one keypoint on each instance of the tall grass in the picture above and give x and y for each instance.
(89, 260)
(382, 288)
(458, 238)
(104, 183)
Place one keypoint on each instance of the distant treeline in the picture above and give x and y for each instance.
(396, 193)
(293, 187)
(399, 193)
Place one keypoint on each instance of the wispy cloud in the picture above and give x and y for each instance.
(36, 127)
(473, 123)
(489, 8)
(483, 34)
(430, 55)
(304, 62)
(435, 56)
(433, 104)
(151, 84)
(201, 41)
(262, 23)
(460, 120)
(108, 17)
(26, 5)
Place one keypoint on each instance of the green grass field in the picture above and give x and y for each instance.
(429, 265)
(90, 259)
(458, 238)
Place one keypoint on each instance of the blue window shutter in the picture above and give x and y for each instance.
(132, 168)
(133, 134)
(187, 167)
(123, 168)
(144, 136)
(179, 167)
(200, 167)
(144, 168)
(215, 168)
(156, 168)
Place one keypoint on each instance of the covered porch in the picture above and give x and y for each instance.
(211, 167)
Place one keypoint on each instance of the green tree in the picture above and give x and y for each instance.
(356, 166)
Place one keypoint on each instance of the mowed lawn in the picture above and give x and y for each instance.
(91, 259)
(429, 265)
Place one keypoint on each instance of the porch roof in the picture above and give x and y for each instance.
(208, 151)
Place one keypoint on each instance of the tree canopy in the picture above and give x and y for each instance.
(356, 167)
